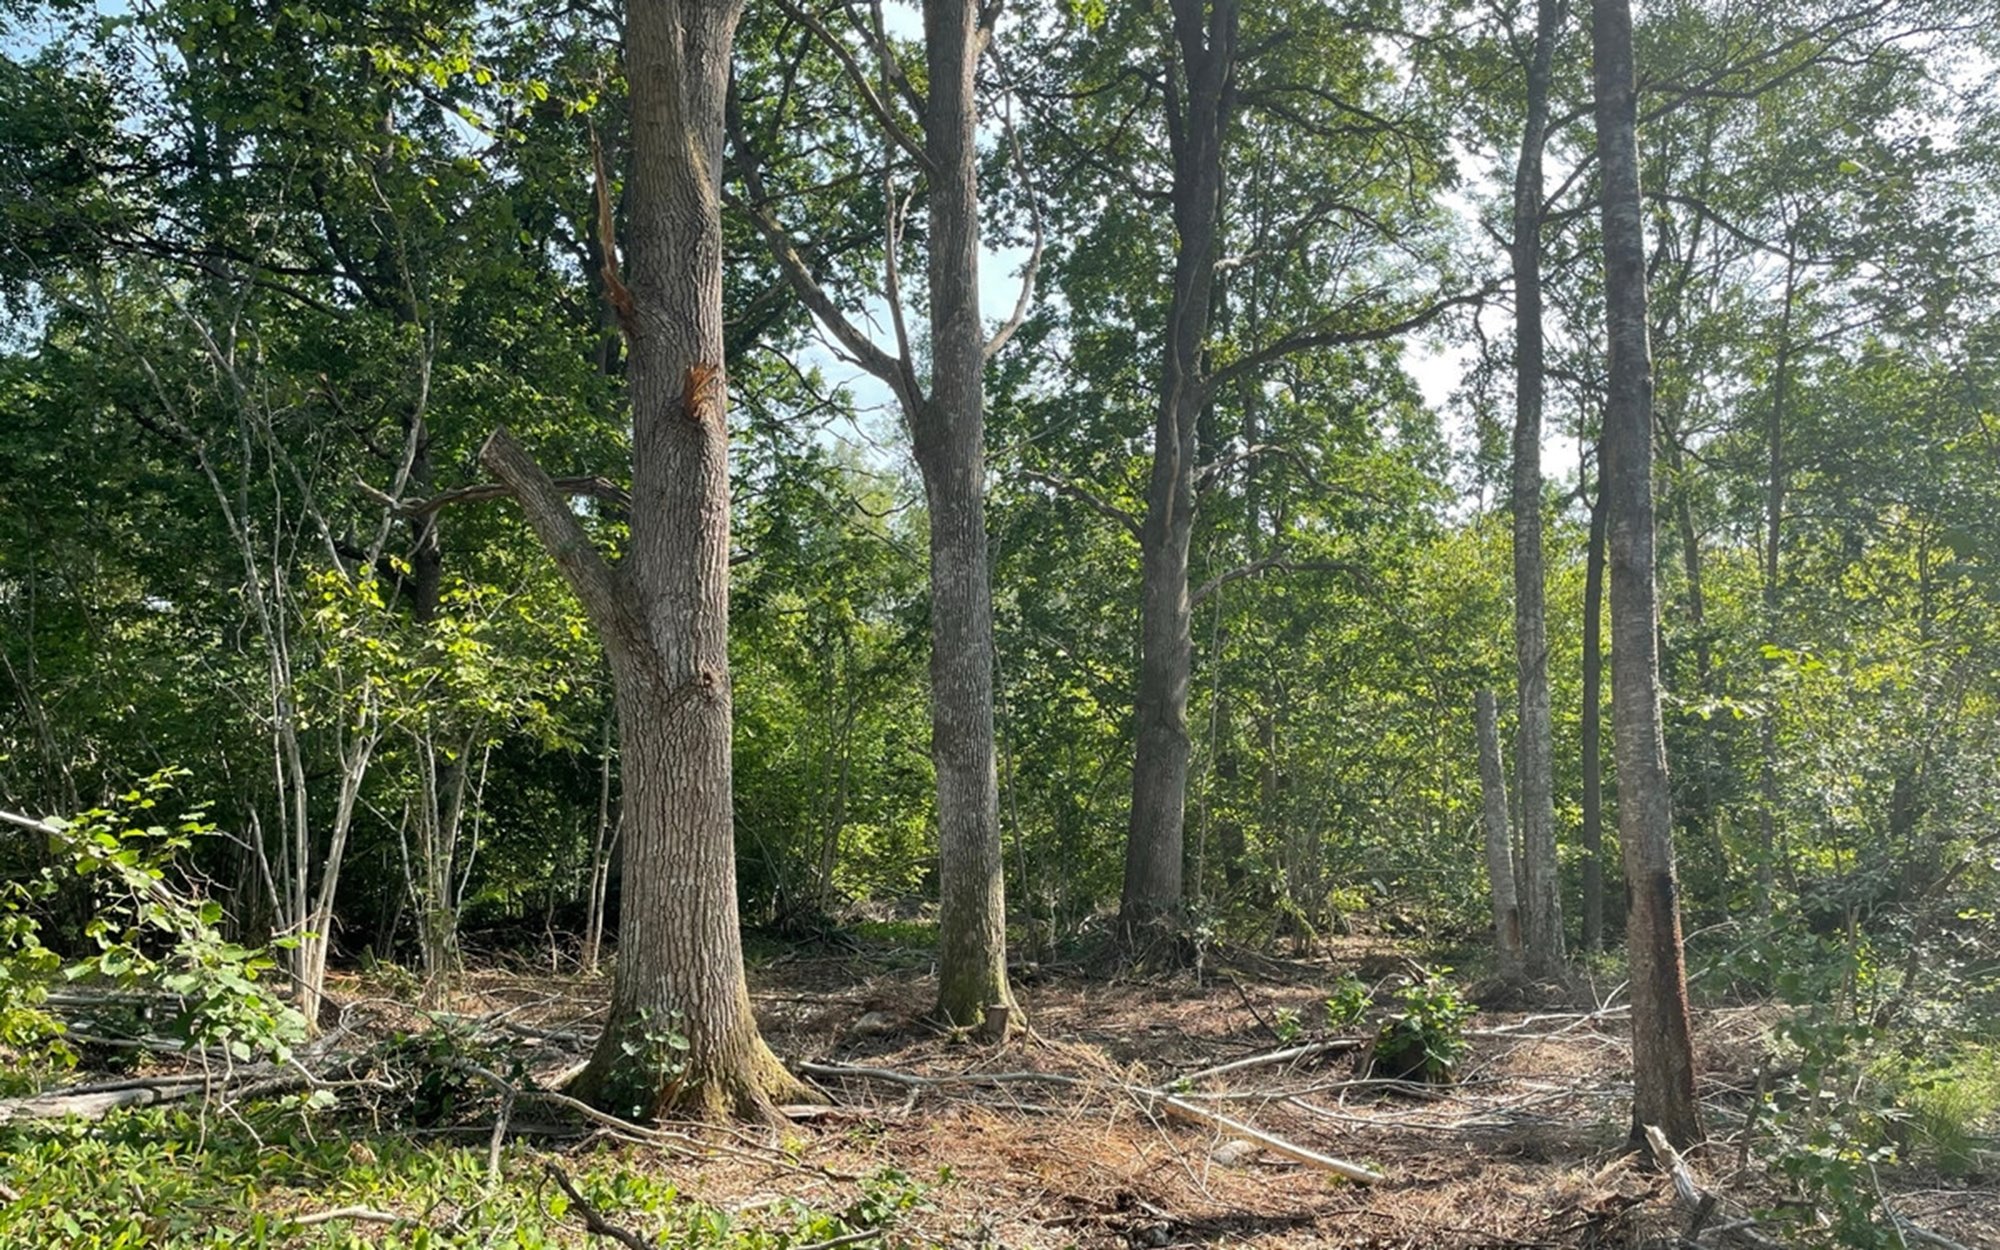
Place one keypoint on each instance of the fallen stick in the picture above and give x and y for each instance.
(593, 1223)
(364, 1215)
(912, 1081)
(1913, 1231)
(1276, 1145)
(1699, 1204)
(93, 1106)
(667, 1138)
(1277, 1056)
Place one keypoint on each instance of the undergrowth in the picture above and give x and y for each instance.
(183, 1179)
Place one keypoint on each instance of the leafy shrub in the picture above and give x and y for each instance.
(151, 936)
(1425, 1039)
(1349, 1001)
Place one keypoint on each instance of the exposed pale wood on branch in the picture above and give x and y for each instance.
(363, 1215)
(1698, 1203)
(1276, 1145)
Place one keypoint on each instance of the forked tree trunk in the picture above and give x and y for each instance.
(1662, 1045)
(1499, 846)
(950, 436)
(663, 614)
(1200, 97)
(1534, 755)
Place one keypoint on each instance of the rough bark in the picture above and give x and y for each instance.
(948, 429)
(1507, 938)
(664, 613)
(1593, 718)
(1662, 1046)
(950, 435)
(1200, 100)
(1534, 755)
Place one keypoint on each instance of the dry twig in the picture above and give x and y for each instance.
(593, 1222)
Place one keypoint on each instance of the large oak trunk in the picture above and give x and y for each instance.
(1662, 1047)
(680, 1034)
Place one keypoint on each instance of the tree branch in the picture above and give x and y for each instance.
(883, 117)
(897, 372)
(606, 595)
(1278, 563)
(594, 1222)
(1328, 336)
(594, 487)
(1127, 521)
(1027, 296)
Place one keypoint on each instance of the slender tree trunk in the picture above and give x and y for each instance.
(1774, 517)
(664, 613)
(948, 429)
(1200, 96)
(1662, 1044)
(1499, 846)
(1593, 714)
(1534, 756)
(603, 844)
(950, 435)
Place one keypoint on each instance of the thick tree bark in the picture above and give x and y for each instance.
(1534, 755)
(1499, 844)
(664, 613)
(1662, 1045)
(950, 435)
(1593, 717)
(1200, 99)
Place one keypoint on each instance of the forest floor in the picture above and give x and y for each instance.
(1524, 1149)
(1080, 1146)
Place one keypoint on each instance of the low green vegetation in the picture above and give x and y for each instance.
(261, 1176)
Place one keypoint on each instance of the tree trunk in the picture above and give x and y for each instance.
(664, 613)
(1199, 101)
(1662, 1045)
(950, 435)
(948, 428)
(1535, 752)
(602, 846)
(1593, 715)
(1499, 848)
(1774, 516)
